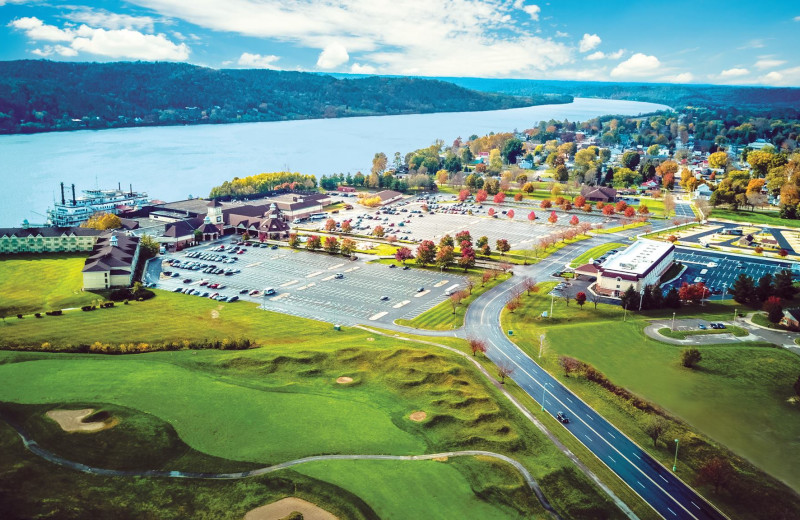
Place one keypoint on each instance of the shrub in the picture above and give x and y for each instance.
(38, 314)
(690, 357)
(55, 313)
(19, 316)
(87, 308)
(99, 347)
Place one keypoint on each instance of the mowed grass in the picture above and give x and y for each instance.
(754, 217)
(281, 401)
(442, 317)
(683, 334)
(737, 396)
(595, 252)
(38, 283)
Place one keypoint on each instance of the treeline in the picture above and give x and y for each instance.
(770, 101)
(99, 347)
(264, 183)
(40, 95)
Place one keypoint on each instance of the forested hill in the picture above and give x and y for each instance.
(39, 95)
(758, 99)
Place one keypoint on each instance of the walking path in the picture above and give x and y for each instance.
(34, 447)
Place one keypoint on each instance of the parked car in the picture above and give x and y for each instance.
(384, 298)
(339, 276)
(721, 326)
(701, 327)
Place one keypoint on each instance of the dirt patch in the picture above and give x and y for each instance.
(72, 421)
(282, 508)
(440, 459)
(418, 416)
(344, 380)
(215, 314)
(370, 339)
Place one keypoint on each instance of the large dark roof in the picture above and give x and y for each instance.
(182, 228)
(49, 232)
(106, 257)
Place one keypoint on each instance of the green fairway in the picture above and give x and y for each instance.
(442, 317)
(37, 283)
(754, 217)
(595, 252)
(458, 485)
(737, 395)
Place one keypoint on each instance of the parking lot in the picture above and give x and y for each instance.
(408, 221)
(306, 284)
(718, 271)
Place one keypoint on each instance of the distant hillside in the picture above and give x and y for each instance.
(39, 95)
(763, 99)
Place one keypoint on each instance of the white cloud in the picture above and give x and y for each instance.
(600, 55)
(784, 78)
(332, 56)
(768, 63)
(10, 2)
(533, 11)
(589, 42)
(753, 44)
(258, 61)
(358, 68)
(115, 43)
(561, 34)
(108, 20)
(637, 66)
(796, 18)
(683, 77)
(425, 41)
(36, 30)
(735, 72)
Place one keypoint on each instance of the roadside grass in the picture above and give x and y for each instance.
(754, 217)
(683, 334)
(254, 405)
(731, 383)
(37, 283)
(760, 318)
(617, 229)
(595, 252)
(442, 317)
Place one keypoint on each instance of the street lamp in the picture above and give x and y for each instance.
(552, 299)
(675, 463)
(673, 322)
(734, 315)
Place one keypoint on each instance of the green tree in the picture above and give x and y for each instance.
(426, 253)
(511, 150)
(773, 309)
(655, 427)
(444, 256)
(718, 472)
(653, 149)
(630, 298)
(764, 289)
(626, 177)
(198, 235)
(148, 247)
(562, 174)
(690, 357)
(784, 287)
(630, 159)
(743, 289)
(718, 160)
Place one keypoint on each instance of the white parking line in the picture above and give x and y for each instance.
(439, 284)
(254, 264)
(280, 297)
(312, 275)
(378, 316)
(331, 277)
(401, 304)
(303, 288)
(331, 268)
(287, 284)
(421, 294)
(352, 269)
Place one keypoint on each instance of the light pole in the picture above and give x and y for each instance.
(552, 299)
(641, 297)
(734, 315)
(673, 322)
(675, 462)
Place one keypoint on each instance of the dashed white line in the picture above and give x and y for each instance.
(612, 435)
(421, 294)
(401, 304)
(662, 478)
(378, 316)
(640, 483)
(671, 511)
(612, 459)
(441, 283)
(695, 505)
(331, 277)
(280, 296)
(331, 268)
(287, 284)
(303, 288)
(312, 275)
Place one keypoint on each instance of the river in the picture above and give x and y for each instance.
(173, 163)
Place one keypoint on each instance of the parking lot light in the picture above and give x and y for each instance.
(673, 322)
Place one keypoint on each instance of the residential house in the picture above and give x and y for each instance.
(112, 262)
(791, 318)
(599, 193)
(47, 239)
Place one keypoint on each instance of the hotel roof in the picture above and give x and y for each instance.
(639, 258)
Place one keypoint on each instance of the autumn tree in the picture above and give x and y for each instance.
(313, 242)
(499, 198)
(348, 246)
(330, 225)
(512, 304)
(546, 204)
(463, 195)
(346, 227)
(502, 246)
(481, 196)
(553, 218)
(530, 286)
(444, 256)
(294, 241)
(774, 309)
(378, 231)
(531, 216)
(467, 258)
(426, 253)
(528, 187)
(455, 299)
(690, 357)
(504, 371)
(718, 472)
(490, 212)
(655, 427)
(485, 277)
(402, 254)
(569, 365)
(379, 163)
(477, 345)
(510, 214)
(580, 298)
(331, 245)
(518, 197)
(718, 160)
(669, 204)
(103, 221)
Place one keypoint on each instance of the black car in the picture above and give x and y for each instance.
(562, 418)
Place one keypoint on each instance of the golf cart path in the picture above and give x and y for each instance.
(34, 447)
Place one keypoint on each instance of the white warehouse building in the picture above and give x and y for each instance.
(639, 265)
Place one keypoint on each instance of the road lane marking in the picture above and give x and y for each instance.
(612, 459)
(401, 304)
(331, 268)
(280, 297)
(662, 478)
(352, 269)
(671, 511)
(312, 275)
(378, 316)
(303, 288)
(287, 284)
(254, 264)
(421, 294)
(441, 283)
(331, 277)
(612, 435)
(640, 483)
(695, 505)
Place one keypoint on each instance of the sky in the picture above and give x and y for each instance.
(681, 41)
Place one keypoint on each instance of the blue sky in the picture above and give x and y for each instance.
(697, 41)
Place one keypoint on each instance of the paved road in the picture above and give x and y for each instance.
(657, 485)
(34, 447)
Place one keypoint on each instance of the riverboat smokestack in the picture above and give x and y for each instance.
(74, 202)
(119, 186)
(62, 194)
(131, 187)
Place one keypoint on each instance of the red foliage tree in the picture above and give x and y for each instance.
(783, 253)
(481, 196)
(600, 205)
(503, 246)
(693, 292)
(477, 345)
(774, 309)
(580, 298)
(511, 213)
(620, 206)
(426, 252)
(580, 201)
(467, 258)
(545, 204)
(499, 198)
(608, 210)
(518, 197)
(574, 221)
(346, 226)
(587, 208)
(553, 218)
(490, 212)
(531, 216)
(630, 212)
(463, 195)
(463, 236)
(403, 254)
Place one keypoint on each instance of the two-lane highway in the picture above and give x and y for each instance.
(657, 485)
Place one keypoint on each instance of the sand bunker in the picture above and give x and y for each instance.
(282, 508)
(72, 420)
(344, 380)
(418, 416)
